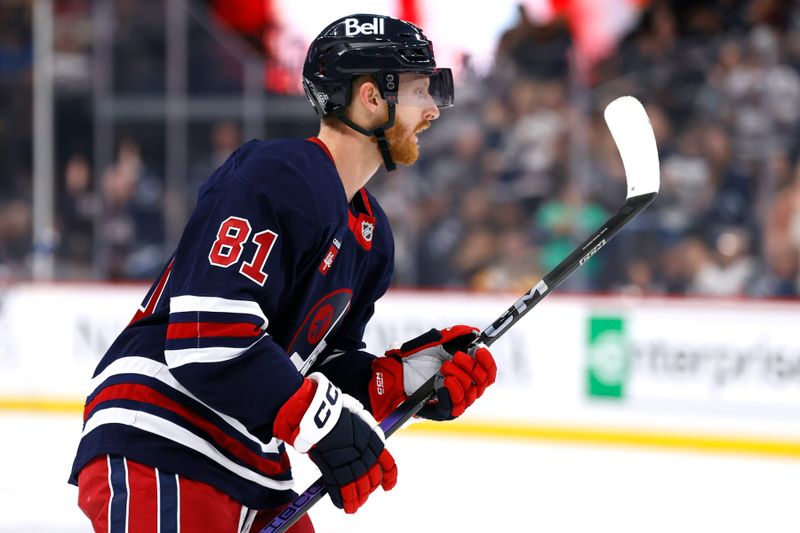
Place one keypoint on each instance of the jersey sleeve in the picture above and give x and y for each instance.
(238, 257)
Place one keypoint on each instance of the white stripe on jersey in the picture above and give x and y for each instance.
(158, 499)
(178, 502)
(177, 358)
(188, 304)
(127, 495)
(159, 426)
(147, 367)
(111, 490)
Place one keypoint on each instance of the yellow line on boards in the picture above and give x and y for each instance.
(41, 405)
(525, 432)
(605, 436)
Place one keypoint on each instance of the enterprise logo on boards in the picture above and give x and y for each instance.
(609, 358)
(352, 27)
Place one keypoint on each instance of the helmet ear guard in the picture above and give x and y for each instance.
(388, 84)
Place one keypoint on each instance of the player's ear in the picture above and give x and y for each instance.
(369, 96)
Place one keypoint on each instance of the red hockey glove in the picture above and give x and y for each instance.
(341, 437)
(462, 379)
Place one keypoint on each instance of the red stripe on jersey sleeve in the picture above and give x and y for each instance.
(191, 330)
(143, 393)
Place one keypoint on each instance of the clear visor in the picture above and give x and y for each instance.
(426, 89)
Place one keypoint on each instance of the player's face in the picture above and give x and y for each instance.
(414, 112)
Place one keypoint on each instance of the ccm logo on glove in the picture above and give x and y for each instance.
(465, 371)
(331, 396)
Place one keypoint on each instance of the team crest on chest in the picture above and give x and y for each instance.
(367, 228)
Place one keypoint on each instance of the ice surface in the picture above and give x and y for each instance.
(464, 485)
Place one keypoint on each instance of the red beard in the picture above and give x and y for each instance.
(402, 146)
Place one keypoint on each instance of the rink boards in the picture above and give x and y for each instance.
(686, 373)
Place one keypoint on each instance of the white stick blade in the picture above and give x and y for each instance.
(632, 132)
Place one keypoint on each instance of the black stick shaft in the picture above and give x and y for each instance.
(488, 336)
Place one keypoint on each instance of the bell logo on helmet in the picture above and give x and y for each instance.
(352, 27)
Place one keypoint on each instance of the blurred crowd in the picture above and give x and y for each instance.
(15, 137)
(524, 169)
(510, 180)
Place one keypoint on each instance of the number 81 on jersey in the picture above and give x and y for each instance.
(229, 246)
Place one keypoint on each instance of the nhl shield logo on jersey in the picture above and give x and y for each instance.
(363, 228)
(366, 230)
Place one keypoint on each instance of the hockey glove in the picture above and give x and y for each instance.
(462, 377)
(342, 439)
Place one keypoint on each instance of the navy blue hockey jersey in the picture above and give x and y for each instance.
(275, 276)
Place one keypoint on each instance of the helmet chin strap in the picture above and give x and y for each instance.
(379, 133)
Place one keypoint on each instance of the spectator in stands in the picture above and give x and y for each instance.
(724, 271)
(132, 229)
(439, 232)
(534, 147)
(534, 50)
(72, 48)
(479, 248)
(514, 266)
(460, 162)
(225, 137)
(139, 48)
(687, 188)
(640, 279)
(697, 265)
(759, 96)
(77, 211)
(16, 53)
(735, 187)
(735, 266)
(15, 239)
(780, 276)
(781, 239)
(561, 224)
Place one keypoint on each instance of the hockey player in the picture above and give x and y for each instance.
(251, 338)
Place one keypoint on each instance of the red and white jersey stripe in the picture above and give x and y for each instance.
(211, 330)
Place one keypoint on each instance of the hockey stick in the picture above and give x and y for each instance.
(633, 135)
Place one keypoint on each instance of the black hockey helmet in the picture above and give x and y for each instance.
(378, 45)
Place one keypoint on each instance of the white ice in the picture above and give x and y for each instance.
(462, 485)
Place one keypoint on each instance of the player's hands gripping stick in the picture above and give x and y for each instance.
(465, 372)
(342, 439)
